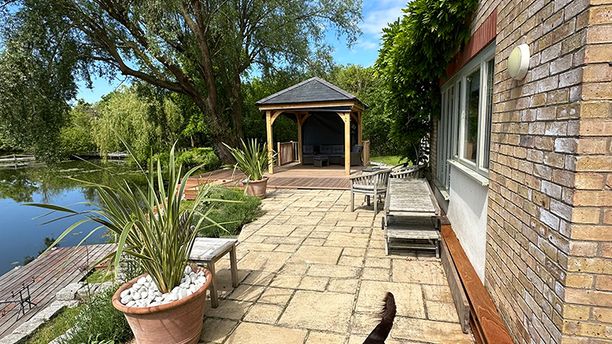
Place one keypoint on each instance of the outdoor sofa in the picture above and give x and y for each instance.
(335, 154)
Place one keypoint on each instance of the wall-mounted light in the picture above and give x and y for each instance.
(518, 62)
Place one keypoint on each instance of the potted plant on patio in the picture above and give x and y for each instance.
(166, 304)
(252, 160)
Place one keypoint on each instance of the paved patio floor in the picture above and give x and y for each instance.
(311, 271)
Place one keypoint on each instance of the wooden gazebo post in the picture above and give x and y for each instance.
(346, 118)
(270, 142)
(271, 116)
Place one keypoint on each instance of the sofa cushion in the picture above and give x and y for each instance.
(325, 149)
(338, 150)
(307, 149)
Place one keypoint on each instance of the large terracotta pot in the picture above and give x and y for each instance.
(177, 322)
(256, 187)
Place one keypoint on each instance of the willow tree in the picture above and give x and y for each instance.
(202, 48)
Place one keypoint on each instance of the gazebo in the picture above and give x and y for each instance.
(328, 119)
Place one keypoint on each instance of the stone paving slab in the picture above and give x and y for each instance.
(311, 271)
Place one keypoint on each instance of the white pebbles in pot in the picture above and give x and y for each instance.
(144, 292)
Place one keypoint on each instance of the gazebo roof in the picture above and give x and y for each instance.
(309, 91)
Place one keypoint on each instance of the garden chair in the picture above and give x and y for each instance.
(370, 185)
(403, 171)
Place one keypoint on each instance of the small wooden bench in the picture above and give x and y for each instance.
(207, 251)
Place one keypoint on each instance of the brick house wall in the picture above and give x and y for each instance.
(549, 229)
(548, 265)
(587, 312)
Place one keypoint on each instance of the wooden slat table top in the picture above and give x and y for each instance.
(46, 275)
(210, 249)
(410, 195)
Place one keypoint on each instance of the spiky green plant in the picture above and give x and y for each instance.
(149, 225)
(251, 159)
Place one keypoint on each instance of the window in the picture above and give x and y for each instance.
(464, 128)
(470, 120)
(489, 114)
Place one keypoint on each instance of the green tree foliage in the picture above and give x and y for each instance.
(415, 52)
(200, 49)
(76, 135)
(364, 83)
(202, 156)
(145, 124)
(38, 61)
(285, 128)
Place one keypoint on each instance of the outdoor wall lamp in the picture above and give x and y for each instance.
(518, 62)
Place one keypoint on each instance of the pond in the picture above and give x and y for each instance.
(23, 231)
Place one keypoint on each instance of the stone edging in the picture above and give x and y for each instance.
(69, 296)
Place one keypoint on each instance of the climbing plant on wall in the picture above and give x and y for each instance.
(415, 52)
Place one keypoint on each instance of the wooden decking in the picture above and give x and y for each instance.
(290, 176)
(46, 275)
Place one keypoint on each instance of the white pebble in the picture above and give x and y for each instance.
(144, 292)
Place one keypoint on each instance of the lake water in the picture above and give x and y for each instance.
(22, 231)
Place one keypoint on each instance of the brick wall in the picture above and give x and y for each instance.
(549, 236)
(587, 313)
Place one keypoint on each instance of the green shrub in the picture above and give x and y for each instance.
(95, 321)
(199, 156)
(99, 321)
(190, 158)
(232, 215)
(75, 141)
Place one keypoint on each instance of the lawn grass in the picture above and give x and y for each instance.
(57, 326)
(233, 215)
(391, 160)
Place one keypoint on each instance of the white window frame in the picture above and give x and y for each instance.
(457, 117)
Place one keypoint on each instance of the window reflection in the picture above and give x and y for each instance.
(470, 129)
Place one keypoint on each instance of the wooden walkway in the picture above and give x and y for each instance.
(291, 176)
(46, 275)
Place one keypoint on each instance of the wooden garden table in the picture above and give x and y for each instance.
(207, 251)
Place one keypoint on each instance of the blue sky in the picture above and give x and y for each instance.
(376, 15)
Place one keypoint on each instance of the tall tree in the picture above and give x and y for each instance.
(202, 48)
(415, 51)
(38, 61)
(364, 83)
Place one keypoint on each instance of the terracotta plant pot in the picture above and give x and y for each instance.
(178, 322)
(256, 188)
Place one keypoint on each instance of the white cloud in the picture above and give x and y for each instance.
(366, 44)
(379, 16)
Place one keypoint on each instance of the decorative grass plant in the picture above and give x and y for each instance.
(150, 224)
(251, 159)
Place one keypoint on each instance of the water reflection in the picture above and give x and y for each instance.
(22, 231)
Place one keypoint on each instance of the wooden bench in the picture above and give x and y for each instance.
(207, 251)
(411, 216)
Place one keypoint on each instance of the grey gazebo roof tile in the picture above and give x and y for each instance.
(311, 90)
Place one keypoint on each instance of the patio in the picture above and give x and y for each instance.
(290, 176)
(311, 271)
